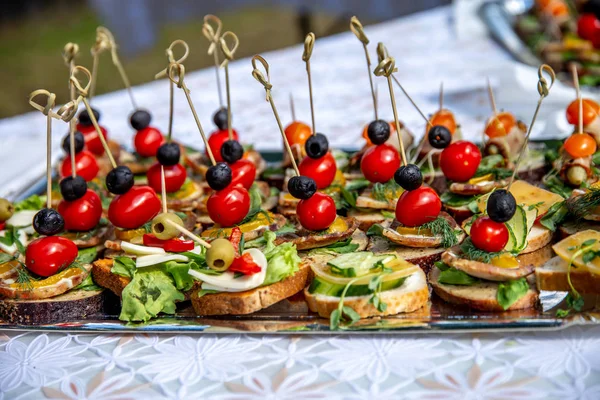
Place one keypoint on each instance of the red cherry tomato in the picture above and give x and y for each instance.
(322, 170)
(243, 172)
(82, 214)
(216, 140)
(92, 140)
(489, 235)
(317, 212)
(460, 161)
(86, 166)
(588, 26)
(134, 208)
(175, 176)
(297, 133)
(590, 111)
(417, 207)
(48, 255)
(580, 145)
(229, 206)
(147, 141)
(379, 163)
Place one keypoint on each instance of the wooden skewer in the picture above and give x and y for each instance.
(579, 98)
(163, 189)
(228, 53)
(309, 43)
(357, 28)
(189, 234)
(69, 53)
(213, 36)
(441, 99)
(427, 121)
(292, 108)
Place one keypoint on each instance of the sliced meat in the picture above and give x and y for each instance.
(508, 146)
(485, 271)
(84, 240)
(469, 189)
(365, 200)
(304, 239)
(568, 163)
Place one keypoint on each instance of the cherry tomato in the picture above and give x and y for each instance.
(488, 235)
(379, 163)
(92, 140)
(134, 208)
(229, 206)
(417, 207)
(48, 255)
(365, 133)
(243, 172)
(175, 176)
(322, 170)
(216, 140)
(557, 9)
(500, 124)
(82, 214)
(147, 141)
(445, 118)
(460, 161)
(588, 26)
(580, 145)
(317, 212)
(297, 133)
(86, 166)
(590, 111)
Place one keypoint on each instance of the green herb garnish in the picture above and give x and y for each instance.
(441, 227)
(473, 253)
(386, 191)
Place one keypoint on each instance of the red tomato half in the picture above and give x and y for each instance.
(50, 254)
(243, 172)
(175, 176)
(317, 212)
(379, 163)
(460, 161)
(417, 207)
(229, 206)
(147, 141)
(86, 166)
(322, 170)
(489, 235)
(134, 208)
(216, 140)
(82, 214)
(92, 140)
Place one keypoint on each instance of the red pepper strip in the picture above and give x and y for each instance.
(244, 264)
(171, 245)
(2, 226)
(235, 238)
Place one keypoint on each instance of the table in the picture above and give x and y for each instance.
(563, 364)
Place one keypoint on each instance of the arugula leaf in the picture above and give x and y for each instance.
(123, 266)
(441, 265)
(357, 184)
(341, 247)
(88, 284)
(9, 237)
(375, 230)
(511, 291)
(555, 216)
(574, 303)
(255, 204)
(350, 313)
(556, 185)
(596, 158)
(453, 276)
(203, 292)
(388, 214)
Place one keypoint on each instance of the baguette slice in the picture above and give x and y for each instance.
(238, 303)
(552, 276)
(481, 296)
(423, 257)
(537, 238)
(411, 296)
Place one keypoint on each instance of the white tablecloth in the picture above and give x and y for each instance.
(563, 365)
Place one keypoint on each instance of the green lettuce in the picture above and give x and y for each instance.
(34, 202)
(123, 266)
(282, 260)
(511, 291)
(179, 272)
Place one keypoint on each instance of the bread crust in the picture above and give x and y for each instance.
(553, 277)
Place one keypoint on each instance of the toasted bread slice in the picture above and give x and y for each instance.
(411, 296)
(305, 240)
(424, 257)
(415, 240)
(481, 296)
(459, 214)
(52, 286)
(537, 238)
(238, 303)
(571, 227)
(366, 219)
(552, 276)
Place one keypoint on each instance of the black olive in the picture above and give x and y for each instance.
(218, 176)
(592, 7)
(79, 142)
(48, 222)
(302, 187)
(73, 188)
(168, 154)
(119, 180)
(378, 131)
(409, 177)
(84, 117)
(231, 151)
(501, 205)
(439, 137)
(140, 119)
(316, 146)
(220, 118)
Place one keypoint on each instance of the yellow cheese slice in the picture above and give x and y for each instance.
(567, 248)
(528, 195)
(339, 225)
(505, 261)
(484, 178)
(260, 220)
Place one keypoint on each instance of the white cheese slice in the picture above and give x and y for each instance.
(139, 250)
(155, 259)
(21, 218)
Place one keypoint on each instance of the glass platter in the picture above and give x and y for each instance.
(292, 315)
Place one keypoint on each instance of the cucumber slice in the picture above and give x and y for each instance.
(319, 286)
(357, 264)
(517, 226)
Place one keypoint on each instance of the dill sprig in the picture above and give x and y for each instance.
(386, 191)
(473, 253)
(583, 205)
(441, 227)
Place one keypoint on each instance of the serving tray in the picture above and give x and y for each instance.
(292, 315)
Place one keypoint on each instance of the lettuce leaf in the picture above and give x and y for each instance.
(453, 276)
(87, 284)
(33, 202)
(282, 260)
(511, 291)
(123, 266)
(179, 273)
(150, 292)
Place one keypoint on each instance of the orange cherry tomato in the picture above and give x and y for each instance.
(557, 8)
(580, 145)
(500, 124)
(542, 3)
(365, 133)
(591, 109)
(297, 133)
(445, 118)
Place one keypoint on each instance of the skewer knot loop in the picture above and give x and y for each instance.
(258, 75)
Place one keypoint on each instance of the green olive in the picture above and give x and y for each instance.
(6, 210)
(576, 175)
(163, 229)
(220, 255)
